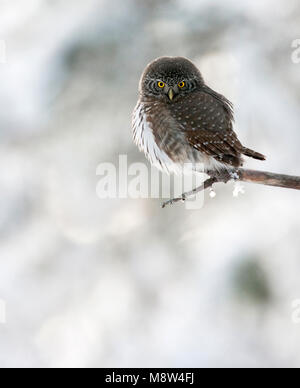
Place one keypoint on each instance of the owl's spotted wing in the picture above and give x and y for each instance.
(224, 149)
(207, 118)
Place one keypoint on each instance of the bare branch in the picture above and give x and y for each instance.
(269, 179)
(240, 174)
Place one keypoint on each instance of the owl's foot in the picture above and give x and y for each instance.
(235, 175)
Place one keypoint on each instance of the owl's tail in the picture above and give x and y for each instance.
(253, 154)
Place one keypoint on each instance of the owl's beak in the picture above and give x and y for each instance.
(171, 94)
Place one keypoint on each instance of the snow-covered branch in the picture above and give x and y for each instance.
(242, 175)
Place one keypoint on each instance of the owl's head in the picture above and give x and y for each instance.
(169, 78)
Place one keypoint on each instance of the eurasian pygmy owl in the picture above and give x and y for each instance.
(178, 119)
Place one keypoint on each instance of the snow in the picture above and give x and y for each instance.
(238, 189)
(212, 193)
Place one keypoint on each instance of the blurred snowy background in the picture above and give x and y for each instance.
(122, 283)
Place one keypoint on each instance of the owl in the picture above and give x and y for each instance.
(180, 121)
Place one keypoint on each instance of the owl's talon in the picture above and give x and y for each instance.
(235, 175)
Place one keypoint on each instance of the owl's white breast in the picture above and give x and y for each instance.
(145, 140)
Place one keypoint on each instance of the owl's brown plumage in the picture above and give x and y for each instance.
(179, 119)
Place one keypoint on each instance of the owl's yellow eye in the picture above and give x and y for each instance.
(181, 84)
(160, 84)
